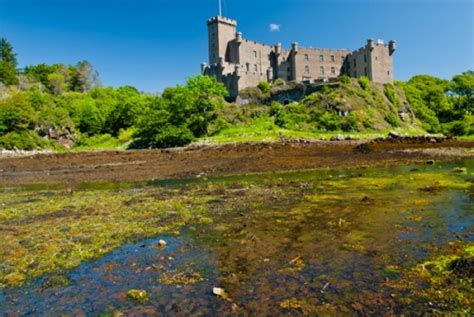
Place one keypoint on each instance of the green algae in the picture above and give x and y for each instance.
(138, 295)
(181, 277)
(251, 224)
(444, 282)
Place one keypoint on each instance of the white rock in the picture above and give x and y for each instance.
(218, 291)
(162, 243)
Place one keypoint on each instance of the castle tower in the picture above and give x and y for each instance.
(221, 32)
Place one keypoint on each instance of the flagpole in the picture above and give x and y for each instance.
(220, 8)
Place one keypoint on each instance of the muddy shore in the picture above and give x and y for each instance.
(230, 159)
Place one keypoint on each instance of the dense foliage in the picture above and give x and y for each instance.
(442, 105)
(62, 106)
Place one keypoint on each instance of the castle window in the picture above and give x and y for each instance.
(333, 70)
(255, 54)
(355, 63)
(388, 72)
(306, 69)
(248, 67)
(306, 57)
(321, 58)
(365, 71)
(256, 67)
(365, 58)
(332, 58)
(376, 58)
(321, 70)
(342, 59)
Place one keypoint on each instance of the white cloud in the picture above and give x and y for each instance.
(275, 27)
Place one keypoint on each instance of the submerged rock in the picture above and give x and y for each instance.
(220, 292)
(460, 170)
(138, 295)
(162, 243)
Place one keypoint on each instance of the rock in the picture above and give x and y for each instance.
(220, 292)
(460, 170)
(162, 243)
(138, 295)
(394, 135)
(338, 137)
(430, 162)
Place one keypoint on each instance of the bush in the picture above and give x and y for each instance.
(364, 82)
(264, 87)
(392, 120)
(171, 136)
(392, 95)
(279, 82)
(218, 125)
(350, 124)
(459, 127)
(22, 140)
(329, 121)
(16, 114)
(344, 79)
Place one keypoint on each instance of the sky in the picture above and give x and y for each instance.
(153, 44)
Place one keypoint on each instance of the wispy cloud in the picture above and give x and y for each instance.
(275, 27)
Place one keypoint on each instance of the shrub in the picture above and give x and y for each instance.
(392, 120)
(22, 140)
(218, 125)
(265, 87)
(279, 82)
(344, 79)
(459, 127)
(350, 124)
(391, 95)
(364, 82)
(329, 121)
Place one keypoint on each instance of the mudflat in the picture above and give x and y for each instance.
(223, 160)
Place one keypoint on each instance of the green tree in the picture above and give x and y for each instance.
(8, 63)
(181, 114)
(57, 83)
(16, 114)
(84, 77)
(463, 86)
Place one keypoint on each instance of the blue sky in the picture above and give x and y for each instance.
(153, 44)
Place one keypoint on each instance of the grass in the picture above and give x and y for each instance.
(265, 130)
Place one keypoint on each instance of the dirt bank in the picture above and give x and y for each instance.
(222, 160)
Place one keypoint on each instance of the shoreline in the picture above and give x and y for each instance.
(222, 160)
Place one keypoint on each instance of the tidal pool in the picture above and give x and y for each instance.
(324, 242)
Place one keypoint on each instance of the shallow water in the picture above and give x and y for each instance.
(315, 242)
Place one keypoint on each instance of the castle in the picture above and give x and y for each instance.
(241, 63)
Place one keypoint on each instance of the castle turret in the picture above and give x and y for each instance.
(277, 49)
(221, 32)
(370, 43)
(392, 47)
(294, 47)
(238, 37)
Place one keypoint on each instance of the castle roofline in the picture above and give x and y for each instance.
(222, 20)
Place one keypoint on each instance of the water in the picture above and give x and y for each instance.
(316, 242)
